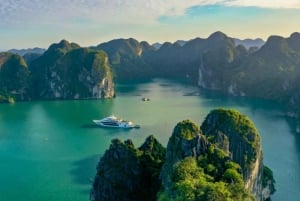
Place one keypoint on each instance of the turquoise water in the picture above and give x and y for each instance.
(49, 150)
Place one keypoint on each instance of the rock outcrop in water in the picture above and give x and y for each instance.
(235, 134)
(126, 173)
(221, 161)
(270, 72)
(66, 71)
(14, 78)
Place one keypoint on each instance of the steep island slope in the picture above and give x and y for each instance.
(216, 63)
(67, 71)
(14, 78)
(64, 71)
(221, 160)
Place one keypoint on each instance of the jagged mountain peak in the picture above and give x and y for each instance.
(295, 35)
(249, 43)
(146, 46)
(120, 41)
(218, 35)
(22, 52)
(275, 45)
(275, 38)
(166, 45)
(63, 45)
(294, 41)
(116, 48)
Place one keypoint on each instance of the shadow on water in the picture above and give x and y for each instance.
(132, 87)
(292, 125)
(297, 141)
(83, 171)
(218, 98)
(108, 130)
(90, 126)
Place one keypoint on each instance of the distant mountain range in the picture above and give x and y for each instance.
(247, 43)
(22, 52)
(178, 42)
(271, 70)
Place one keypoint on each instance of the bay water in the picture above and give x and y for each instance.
(49, 149)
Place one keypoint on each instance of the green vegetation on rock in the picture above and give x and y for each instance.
(14, 77)
(192, 168)
(190, 182)
(241, 132)
(268, 179)
(127, 59)
(126, 173)
(187, 129)
(6, 98)
(66, 71)
(204, 171)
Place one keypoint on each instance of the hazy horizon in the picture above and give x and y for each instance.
(97, 43)
(28, 24)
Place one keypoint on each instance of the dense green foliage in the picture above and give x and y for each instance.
(14, 77)
(126, 58)
(213, 170)
(29, 57)
(190, 182)
(270, 72)
(187, 129)
(117, 169)
(239, 130)
(193, 168)
(268, 179)
(152, 158)
(66, 71)
(128, 173)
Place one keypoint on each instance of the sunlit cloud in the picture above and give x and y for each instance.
(30, 12)
(104, 11)
(45, 21)
(287, 4)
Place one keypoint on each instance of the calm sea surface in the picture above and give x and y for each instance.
(49, 150)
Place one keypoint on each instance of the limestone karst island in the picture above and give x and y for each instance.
(211, 119)
(221, 160)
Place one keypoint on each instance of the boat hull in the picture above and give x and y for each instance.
(117, 125)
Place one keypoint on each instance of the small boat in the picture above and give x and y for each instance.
(113, 121)
(145, 99)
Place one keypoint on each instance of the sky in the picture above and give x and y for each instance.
(39, 23)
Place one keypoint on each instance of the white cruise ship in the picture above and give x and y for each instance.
(113, 121)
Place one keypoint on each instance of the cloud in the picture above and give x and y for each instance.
(72, 12)
(111, 11)
(287, 4)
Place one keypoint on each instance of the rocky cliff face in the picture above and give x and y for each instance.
(67, 71)
(186, 141)
(125, 173)
(14, 78)
(118, 174)
(126, 58)
(235, 134)
(221, 161)
(270, 72)
(242, 143)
